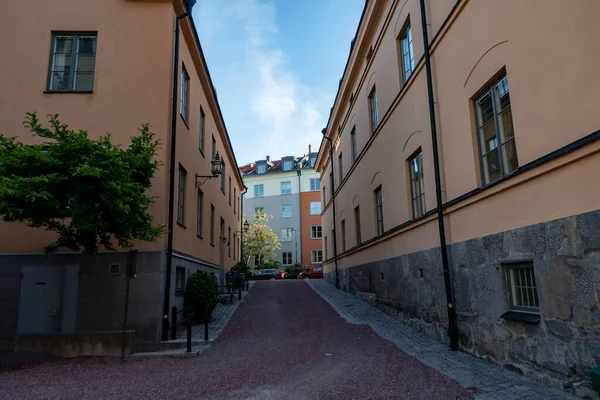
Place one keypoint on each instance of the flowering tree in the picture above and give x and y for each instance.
(260, 240)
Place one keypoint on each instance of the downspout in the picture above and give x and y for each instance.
(299, 171)
(241, 210)
(335, 260)
(452, 326)
(178, 19)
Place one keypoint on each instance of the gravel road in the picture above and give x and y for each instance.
(284, 342)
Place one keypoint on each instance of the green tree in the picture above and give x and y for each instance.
(90, 192)
(260, 240)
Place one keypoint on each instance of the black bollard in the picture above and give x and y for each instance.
(240, 293)
(189, 335)
(206, 330)
(174, 323)
(247, 285)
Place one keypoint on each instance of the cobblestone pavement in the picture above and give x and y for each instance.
(490, 380)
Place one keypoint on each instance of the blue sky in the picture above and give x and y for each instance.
(276, 66)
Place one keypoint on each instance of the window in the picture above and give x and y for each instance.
(179, 280)
(185, 95)
(234, 245)
(262, 168)
(324, 202)
(202, 129)
(199, 213)
(288, 165)
(495, 132)
(316, 232)
(315, 208)
(229, 242)
(522, 288)
(72, 63)
(223, 179)
(315, 184)
(114, 269)
(417, 188)
(286, 211)
(229, 191)
(353, 140)
(325, 244)
(357, 227)
(379, 210)
(286, 187)
(341, 168)
(406, 53)
(234, 200)
(257, 260)
(258, 210)
(286, 234)
(181, 195)
(343, 225)
(212, 224)
(286, 258)
(259, 190)
(373, 110)
(316, 256)
(312, 161)
(213, 150)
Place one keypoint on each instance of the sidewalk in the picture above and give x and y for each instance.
(489, 381)
(221, 316)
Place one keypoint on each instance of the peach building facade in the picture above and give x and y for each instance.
(110, 70)
(514, 106)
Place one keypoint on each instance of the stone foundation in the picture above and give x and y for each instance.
(560, 350)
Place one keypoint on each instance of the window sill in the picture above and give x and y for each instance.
(180, 224)
(212, 244)
(69, 91)
(184, 121)
(199, 236)
(521, 317)
(201, 152)
(312, 238)
(179, 293)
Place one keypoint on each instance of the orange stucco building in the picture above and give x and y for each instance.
(514, 103)
(107, 66)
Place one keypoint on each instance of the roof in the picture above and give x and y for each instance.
(276, 166)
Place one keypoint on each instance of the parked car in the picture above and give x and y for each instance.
(283, 274)
(268, 273)
(315, 273)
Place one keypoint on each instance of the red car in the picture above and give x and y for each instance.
(315, 273)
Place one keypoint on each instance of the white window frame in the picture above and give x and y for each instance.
(288, 165)
(313, 205)
(286, 256)
(316, 256)
(286, 187)
(316, 231)
(315, 187)
(259, 190)
(284, 211)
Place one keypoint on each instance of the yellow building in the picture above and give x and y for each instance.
(108, 66)
(515, 106)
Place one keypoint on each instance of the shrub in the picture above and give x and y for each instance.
(270, 265)
(294, 270)
(202, 295)
(243, 267)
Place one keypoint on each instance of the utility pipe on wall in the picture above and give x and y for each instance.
(335, 260)
(452, 325)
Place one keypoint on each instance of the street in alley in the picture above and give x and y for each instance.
(283, 342)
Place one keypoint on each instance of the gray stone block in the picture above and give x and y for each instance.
(490, 292)
(463, 291)
(589, 353)
(589, 230)
(555, 288)
(559, 329)
(525, 242)
(562, 238)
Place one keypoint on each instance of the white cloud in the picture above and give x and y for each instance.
(266, 107)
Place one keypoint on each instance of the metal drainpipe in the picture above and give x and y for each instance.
(172, 172)
(241, 210)
(299, 172)
(335, 260)
(452, 326)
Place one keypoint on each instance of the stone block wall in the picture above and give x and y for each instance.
(562, 348)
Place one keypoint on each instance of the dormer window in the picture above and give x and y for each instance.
(288, 165)
(262, 168)
(312, 161)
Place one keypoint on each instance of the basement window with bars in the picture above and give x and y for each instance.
(522, 291)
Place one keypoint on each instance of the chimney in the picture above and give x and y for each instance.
(309, 149)
(268, 159)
